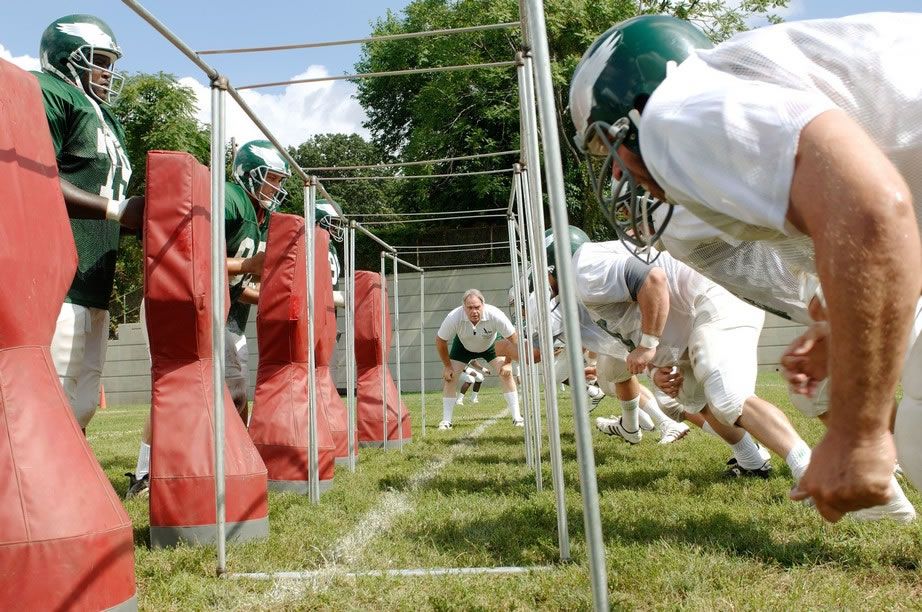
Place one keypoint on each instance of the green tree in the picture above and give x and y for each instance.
(157, 114)
(456, 113)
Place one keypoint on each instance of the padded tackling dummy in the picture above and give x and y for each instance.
(369, 339)
(65, 539)
(280, 421)
(325, 345)
(177, 294)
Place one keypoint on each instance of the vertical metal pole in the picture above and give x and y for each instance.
(350, 340)
(530, 371)
(218, 266)
(310, 205)
(422, 345)
(554, 175)
(520, 334)
(383, 353)
(397, 349)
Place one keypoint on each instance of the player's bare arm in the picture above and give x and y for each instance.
(653, 299)
(85, 205)
(858, 210)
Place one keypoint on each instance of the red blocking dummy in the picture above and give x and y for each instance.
(65, 539)
(325, 343)
(369, 338)
(177, 293)
(280, 421)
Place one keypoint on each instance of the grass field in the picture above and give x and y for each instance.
(677, 535)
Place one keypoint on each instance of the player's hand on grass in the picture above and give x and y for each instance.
(805, 362)
(848, 470)
(639, 359)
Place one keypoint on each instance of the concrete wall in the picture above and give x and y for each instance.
(127, 373)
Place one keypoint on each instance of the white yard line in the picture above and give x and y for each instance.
(349, 549)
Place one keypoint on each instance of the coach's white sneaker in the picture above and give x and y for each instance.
(673, 431)
(898, 509)
(519, 422)
(445, 425)
(612, 427)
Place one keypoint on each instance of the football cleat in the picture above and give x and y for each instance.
(137, 487)
(596, 396)
(612, 427)
(445, 425)
(735, 470)
(673, 431)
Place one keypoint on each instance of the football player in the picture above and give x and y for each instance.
(328, 217)
(256, 191)
(473, 329)
(79, 82)
(669, 316)
(473, 375)
(764, 137)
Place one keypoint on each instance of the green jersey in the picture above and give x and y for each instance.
(245, 236)
(89, 146)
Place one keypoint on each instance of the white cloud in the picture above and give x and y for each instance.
(26, 62)
(294, 115)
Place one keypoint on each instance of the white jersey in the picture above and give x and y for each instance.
(476, 338)
(777, 276)
(593, 337)
(599, 269)
(720, 134)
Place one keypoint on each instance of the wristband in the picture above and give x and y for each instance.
(115, 209)
(649, 341)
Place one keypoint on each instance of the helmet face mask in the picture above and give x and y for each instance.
(327, 217)
(260, 170)
(72, 48)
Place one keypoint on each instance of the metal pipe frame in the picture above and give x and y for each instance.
(520, 336)
(532, 204)
(423, 214)
(349, 248)
(396, 298)
(384, 352)
(406, 263)
(534, 13)
(406, 221)
(400, 177)
(454, 250)
(422, 346)
(374, 75)
(356, 41)
(362, 229)
(412, 247)
(447, 267)
(218, 267)
(310, 206)
(423, 162)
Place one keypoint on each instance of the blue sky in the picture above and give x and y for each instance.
(296, 112)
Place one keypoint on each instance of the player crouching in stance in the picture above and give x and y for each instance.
(472, 376)
(472, 329)
(669, 316)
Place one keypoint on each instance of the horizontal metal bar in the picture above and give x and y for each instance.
(423, 571)
(480, 265)
(422, 162)
(413, 176)
(186, 50)
(418, 214)
(357, 41)
(424, 247)
(359, 227)
(329, 198)
(454, 250)
(371, 75)
(398, 222)
(403, 261)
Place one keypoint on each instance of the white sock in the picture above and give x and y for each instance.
(629, 418)
(798, 459)
(143, 466)
(512, 403)
(652, 409)
(448, 406)
(474, 396)
(706, 428)
(747, 453)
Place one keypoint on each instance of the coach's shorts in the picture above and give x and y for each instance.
(78, 349)
(459, 353)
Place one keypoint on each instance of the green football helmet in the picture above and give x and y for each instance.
(72, 46)
(252, 165)
(577, 239)
(610, 87)
(326, 215)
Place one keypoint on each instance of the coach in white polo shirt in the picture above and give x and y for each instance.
(472, 329)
